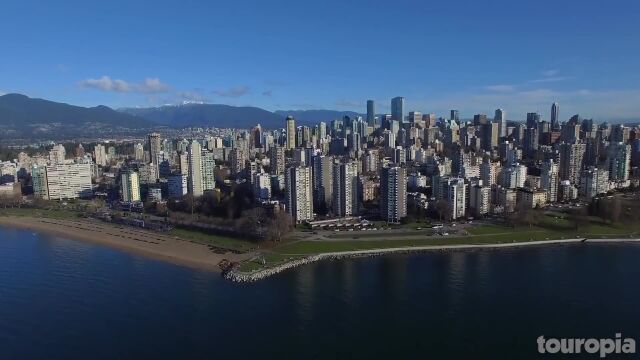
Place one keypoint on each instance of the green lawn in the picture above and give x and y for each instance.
(219, 241)
(489, 229)
(270, 260)
(486, 234)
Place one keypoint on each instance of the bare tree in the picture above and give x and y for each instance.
(615, 210)
(578, 218)
(444, 209)
(279, 226)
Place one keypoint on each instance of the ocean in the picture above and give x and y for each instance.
(62, 299)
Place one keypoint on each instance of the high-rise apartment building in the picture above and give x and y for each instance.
(138, 152)
(208, 171)
(299, 193)
(62, 181)
(393, 194)
(130, 186)
(100, 153)
(549, 179)
(345, 189)
(291, 133)
(155, 147)
(238, 159)
(57, 154)
(276, 160)
(571, 161)
(322, 183)
(619, 161)
(594, 181)
(196, 187)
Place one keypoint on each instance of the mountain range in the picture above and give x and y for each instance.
(227, 116)
(23, 116)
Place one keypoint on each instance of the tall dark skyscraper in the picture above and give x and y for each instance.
(532, 120)
(454, 115)
(555, 108)
(371, 113)
(501, 118)
(397, 109)
(480, 119)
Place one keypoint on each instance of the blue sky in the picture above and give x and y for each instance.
(474, 56)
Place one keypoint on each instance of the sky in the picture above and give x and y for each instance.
(474, 56)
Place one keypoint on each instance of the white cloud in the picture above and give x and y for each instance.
(235, 91)
(500, 88)
(549, 76)
(106, 83)
(153, 85)
(550, 79)
(549, 73)
(192, 96)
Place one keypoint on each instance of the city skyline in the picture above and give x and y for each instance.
(279, 57)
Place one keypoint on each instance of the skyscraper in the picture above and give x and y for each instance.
(454, 191)
(501, 118)
(291, 133)
(208, 171)
(532, 120)
(238, 159)
(549, 180)
(100, 154)
(155, 146)
(371, 113)
(397, 109)
(490, 135)
(455, 115)
(618, 161)
(57, 154)
(138, 152)
(345, 189)
(322, 183)
(130, 185)
(393, 194)
(571, 161)
(555, 112)
(195, 169)
(299, 193)
(276, 160)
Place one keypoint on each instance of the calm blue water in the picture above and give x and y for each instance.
(67, 299)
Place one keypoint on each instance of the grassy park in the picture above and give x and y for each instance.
(550, 226)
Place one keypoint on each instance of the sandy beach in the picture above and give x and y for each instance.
(156, 245)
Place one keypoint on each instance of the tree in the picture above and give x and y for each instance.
(444, 209)
(279, 226)
(524, 215)
(578, 218)
(615, 209)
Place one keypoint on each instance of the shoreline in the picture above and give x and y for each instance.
(141, 242)
(238, 276)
